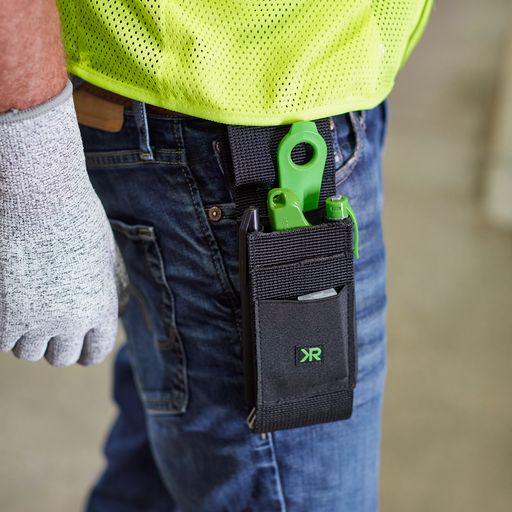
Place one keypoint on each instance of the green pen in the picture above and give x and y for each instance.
(338, 208)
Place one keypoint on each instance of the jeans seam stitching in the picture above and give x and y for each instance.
(277, 473)
(335, 144)
(218, 158)
(219, 266)
(166, 313)
(218, 260)
(359, 128)
(169, 322)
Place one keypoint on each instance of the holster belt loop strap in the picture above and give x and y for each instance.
(254, 162)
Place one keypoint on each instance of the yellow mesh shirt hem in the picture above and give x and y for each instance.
(222, 116)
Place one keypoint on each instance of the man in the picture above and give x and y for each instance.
(162, 80)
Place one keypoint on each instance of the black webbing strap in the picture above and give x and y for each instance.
(308, 411)
(297, 262)
(254, 162)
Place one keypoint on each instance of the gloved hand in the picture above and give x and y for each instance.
(58, 292)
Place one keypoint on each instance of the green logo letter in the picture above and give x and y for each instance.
(311, 354)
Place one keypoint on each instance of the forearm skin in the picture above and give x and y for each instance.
(32, 64)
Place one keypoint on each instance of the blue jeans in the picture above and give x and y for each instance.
(180, 441)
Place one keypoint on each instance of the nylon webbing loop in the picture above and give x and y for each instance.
(301, 413)
(254, 162)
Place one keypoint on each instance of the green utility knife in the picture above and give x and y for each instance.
(305, 181)
(284, 210)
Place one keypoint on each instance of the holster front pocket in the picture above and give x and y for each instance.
(299, 349)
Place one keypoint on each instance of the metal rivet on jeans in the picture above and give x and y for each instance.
(146, 156)
(214, 213)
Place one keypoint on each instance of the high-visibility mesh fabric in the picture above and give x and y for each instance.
(252, 62)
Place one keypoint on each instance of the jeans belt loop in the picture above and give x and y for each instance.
(141, 120)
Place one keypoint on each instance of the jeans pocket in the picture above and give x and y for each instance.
(347, 131)
(155, 345)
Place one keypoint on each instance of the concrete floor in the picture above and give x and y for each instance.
(447, 440)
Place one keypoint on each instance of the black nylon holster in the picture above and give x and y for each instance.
(300, 356)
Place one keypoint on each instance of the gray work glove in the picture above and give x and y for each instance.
(58, 290)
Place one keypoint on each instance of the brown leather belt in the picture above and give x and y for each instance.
(98, 108)
(126, 102)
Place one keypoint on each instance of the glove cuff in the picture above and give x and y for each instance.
(13, 115)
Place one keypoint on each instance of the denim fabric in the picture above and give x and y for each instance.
(181, 442)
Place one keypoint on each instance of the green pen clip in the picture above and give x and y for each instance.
(304, 180)
(284, 210)
(338, 208)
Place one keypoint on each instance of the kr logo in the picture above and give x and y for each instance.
(309, 354)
